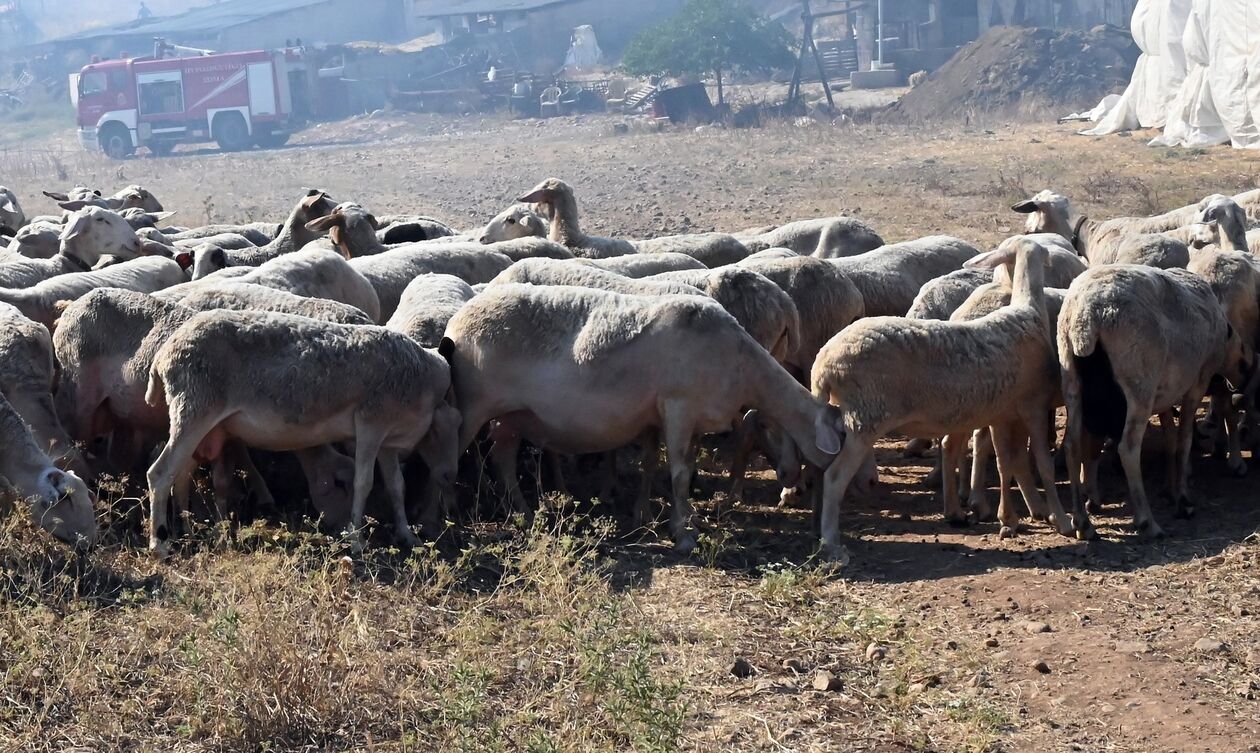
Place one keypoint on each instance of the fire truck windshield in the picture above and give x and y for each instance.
(92, 83)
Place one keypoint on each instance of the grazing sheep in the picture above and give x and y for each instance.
(146, 275)
(825, 238)
(397, 229)
(292, 237)
(90, 234)
(934, 378)
(517, 221)
(314, 273)
(12, 218)
(258, 233)
(131, 197)
(593, 375)
(351, 230)
(58, 501)
(38, 240)
(761, 307)
(559, 206)
(427, 305)
(889, 277)
(1235, 281)
(27, 371)
(230, 375)
(1049, 212)
(391, 272)
(939, 298)
(1135, 341)
(244, 296)
(646, 265)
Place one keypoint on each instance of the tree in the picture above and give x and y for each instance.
(709, 36)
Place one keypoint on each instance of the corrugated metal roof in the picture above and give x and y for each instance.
(207, 19)
(435, 8)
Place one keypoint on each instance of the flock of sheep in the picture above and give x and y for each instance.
(362, 343)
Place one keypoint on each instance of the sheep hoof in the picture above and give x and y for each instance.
(835, 555)
(1063, 524)
(1151, 530)
(407, 539)
(1093, 508)
(356, 540)
(1007, 532)
(958, 521)
(686, 544)
(984, 513)
(1086, 533)
(789, 497)
(160, 548)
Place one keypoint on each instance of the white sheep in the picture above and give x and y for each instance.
(391, 272)
(294, 235)
(578, 370)
(517, 221)
(12, 218)
(825, 238)
(427, 304)
(889, 277)
(40, 302)
(230, 375)
(1135, 341)
(88, 235)
(934, 378)
(58, 501)
(80, 197)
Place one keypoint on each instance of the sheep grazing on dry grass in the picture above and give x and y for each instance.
(933, 378)
(27, 371)
(58, 501)
(230, 375)
(600, 369)
(1135, 341)
(825, 238)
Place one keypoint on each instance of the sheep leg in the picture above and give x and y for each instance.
(391, 475)
(1223, 405)
(175, 461)
(745, 438)
(221, 480)
(1130, 451)
(503, 454)
(556, 469)
(254, 480)
(952, 448)
(1040, 441)
(678, 436)
(835, 482)
(608, 464)
(982, 452)
(1168, 430)
(1004, 454)
(1185, 442)
(650, 443)
(367, 444)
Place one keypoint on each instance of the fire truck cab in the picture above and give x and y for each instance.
(236, 99)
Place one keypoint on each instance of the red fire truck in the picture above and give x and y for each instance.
(236, 99)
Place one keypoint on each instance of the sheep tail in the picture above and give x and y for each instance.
(1082, 332)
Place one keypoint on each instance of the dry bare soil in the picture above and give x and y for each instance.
(573, 634)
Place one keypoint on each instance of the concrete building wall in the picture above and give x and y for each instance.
(332, 23)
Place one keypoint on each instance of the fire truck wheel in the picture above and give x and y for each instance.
(272, 140)
(116, 142)
(231, 133)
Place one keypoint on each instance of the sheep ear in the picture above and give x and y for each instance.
(537, 196)
(987, 260)
(161, 216)
(8, 205)
(1027, 206)
(829, 430)
(74, 229)
(371, 218)
(325, 223)
(335, 235)
(73, 206)
(446, 348)
(56, 196)
(527, 222)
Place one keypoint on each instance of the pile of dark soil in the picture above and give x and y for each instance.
(1020, 72)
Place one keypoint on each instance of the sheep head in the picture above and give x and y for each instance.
(92, 232)
(349, 226)
(517, 221)
(1048, 212)
(64, 507)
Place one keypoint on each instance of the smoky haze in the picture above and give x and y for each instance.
(58, 17)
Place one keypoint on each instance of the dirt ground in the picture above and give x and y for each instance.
(570, 636)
